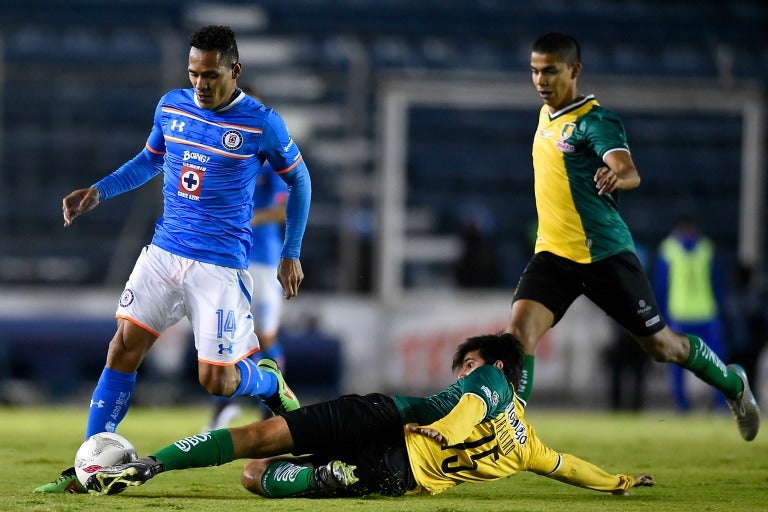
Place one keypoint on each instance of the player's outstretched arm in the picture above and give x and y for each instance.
(79, 202)
(579, 472)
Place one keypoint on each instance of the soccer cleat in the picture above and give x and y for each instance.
(744, 407)
(335, 475)
(114, 479)
(283, 400)
(66, 483)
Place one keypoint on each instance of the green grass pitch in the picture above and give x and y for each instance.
(700, 464)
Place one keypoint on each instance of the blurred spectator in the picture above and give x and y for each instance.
(689, 289)
(478, 265)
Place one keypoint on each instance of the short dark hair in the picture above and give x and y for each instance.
(216, 37)
(562, 45)
(494, 347)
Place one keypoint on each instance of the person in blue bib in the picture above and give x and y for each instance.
(208, 142)
(689, 289)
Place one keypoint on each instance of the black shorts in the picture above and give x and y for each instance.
(617, 285)
(366, 431)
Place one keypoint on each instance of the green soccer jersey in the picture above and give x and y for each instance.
(568, 148)
(486, 382)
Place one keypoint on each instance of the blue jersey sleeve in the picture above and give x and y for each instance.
(130, 175)
(279, 149)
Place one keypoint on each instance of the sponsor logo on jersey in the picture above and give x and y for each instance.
(232, 140)
(126, 299)
(493, 396)
(565, 147)
(190, 183)
(191, 155)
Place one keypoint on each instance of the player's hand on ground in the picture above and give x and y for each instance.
(79, 202)
(290, 275)
(644, 481)
(427, 432)
(640, 481)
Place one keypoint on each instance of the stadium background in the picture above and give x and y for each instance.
(79, 81)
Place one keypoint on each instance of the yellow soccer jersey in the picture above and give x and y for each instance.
(494, 449)
(568, 148)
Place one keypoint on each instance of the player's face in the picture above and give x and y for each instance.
(214, 80)
(554, 80)
(472, 360)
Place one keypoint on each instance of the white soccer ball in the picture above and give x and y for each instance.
(99, 450)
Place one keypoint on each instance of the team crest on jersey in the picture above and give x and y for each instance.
(190, 183)
(126, 299)
(232, 140)
(568, 129)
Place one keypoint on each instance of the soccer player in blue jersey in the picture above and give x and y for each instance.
(581, 160)
(266, 305)
(209, 143)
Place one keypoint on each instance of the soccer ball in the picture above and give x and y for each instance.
(99, 450)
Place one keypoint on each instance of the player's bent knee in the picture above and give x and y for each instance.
(664, 347)
(250, 478)
(218, 380)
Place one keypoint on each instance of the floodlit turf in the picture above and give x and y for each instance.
(700, 464)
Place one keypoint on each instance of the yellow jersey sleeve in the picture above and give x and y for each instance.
(575, 471)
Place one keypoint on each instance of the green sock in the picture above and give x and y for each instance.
(526, 378)
(708, 367)
(282, 479)
(198, 451)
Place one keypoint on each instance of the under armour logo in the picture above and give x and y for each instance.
(98, 404)
(177, 125)
(228, 348)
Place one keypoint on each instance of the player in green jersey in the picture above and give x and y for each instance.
(472, 431)
(581, 160)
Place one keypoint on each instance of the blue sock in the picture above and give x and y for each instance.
(110, 401)
(253, 381)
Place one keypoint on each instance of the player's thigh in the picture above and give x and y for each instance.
(217, 301)
(343, 427)
(152, 298)
(618, 285)
(550, 281)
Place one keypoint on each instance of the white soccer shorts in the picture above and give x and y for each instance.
(164, 287)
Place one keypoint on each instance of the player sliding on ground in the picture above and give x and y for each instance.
(472, 431)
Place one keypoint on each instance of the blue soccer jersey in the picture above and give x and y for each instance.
(210, 160)
(267, 237)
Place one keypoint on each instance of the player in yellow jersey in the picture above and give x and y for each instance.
(472, 431)
(581, 160)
